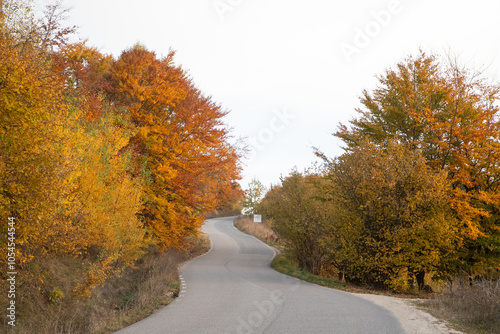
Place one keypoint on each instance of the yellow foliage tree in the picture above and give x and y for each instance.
(392, 221)
(451, 115)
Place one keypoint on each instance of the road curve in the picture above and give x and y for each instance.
(232, 289)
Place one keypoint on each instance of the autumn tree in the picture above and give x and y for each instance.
(65, 180)
(85, 69)
(229, 202)
(451, 115)
(31, 111)
(99, 198)
(181, 142)
(300, 214)
(101, 157)
(392, 221)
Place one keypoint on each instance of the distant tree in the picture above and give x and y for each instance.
(253, 195)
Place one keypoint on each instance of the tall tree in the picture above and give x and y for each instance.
(63, 179)
(452, 115)
(181, 141)
(32, 109)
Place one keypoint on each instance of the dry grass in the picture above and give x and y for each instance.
(474, 306)
(123, 300)
(261, 231)
(225, 213)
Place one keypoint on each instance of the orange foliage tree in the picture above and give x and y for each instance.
(181, 142)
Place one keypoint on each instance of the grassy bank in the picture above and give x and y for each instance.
(121, 301)
(283, 262)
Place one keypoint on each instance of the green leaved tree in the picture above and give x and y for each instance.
(253, 195)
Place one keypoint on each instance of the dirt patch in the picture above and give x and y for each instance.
(413, 320)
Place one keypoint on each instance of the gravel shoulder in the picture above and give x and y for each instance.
(413, 320)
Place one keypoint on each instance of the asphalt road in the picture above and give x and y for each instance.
(232, 289)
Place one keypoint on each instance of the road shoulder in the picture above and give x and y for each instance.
(413, 320)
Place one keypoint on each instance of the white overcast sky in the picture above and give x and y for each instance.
(289, 71)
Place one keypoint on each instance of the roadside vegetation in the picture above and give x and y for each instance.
(261, 231)
(122, 300)
(108, 168)
(473, 307)
(286, 263)
(413, 205)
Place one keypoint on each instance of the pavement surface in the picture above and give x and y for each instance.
(232, 289)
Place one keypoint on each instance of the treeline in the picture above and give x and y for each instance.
(417, 192)
(101, 158)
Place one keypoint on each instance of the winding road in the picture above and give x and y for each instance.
(232, 289)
